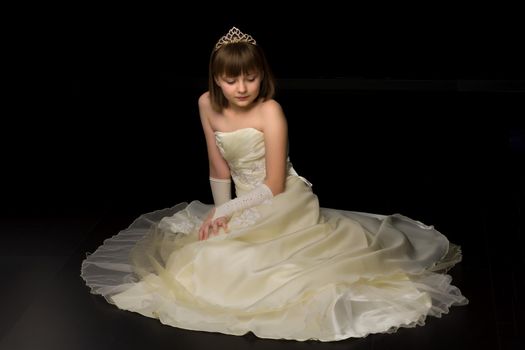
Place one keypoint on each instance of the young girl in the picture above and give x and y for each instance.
(270, 261)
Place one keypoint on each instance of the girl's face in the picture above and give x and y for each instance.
(242, 90)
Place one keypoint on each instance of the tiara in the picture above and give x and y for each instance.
(234, 35)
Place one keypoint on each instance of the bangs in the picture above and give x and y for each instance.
(234, 60)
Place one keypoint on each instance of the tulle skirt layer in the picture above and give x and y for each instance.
(287, 269)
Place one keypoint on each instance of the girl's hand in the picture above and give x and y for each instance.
(210, 227)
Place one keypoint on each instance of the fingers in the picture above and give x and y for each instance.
(224, 225)
(218, 226)
(201, 232)
(218, 223)
(208, 228)
(204, 231)
(213, 229)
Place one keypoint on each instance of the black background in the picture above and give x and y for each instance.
(381, 103)
(412, 109)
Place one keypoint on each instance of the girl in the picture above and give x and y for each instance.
(270, 261)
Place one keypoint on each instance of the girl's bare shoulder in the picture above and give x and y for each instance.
(270, 106)
(204, 100)
(271, 110)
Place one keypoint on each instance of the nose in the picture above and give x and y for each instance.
(242, 86)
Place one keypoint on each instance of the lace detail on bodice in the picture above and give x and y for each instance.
(244, 151)
(252, 175)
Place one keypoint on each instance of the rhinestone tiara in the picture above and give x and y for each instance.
(234, 35)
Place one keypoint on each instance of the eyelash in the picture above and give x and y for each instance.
(232, 82)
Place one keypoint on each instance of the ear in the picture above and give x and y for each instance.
(216, 80)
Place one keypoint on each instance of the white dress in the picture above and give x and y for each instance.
(287, 269)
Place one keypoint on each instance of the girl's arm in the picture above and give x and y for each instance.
(220, 181)
(219, 168)
(275, 140)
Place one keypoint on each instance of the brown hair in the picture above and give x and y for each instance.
(233, 60)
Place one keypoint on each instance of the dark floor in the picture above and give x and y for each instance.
(475, 197)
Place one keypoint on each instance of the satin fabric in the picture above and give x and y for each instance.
(287, 268)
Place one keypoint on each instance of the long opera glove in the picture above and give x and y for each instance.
(250, 199)
(221, 190)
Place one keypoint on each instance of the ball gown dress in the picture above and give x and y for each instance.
(287, 268)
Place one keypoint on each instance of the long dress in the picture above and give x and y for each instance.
(287, 268)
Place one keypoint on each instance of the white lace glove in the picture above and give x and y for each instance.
(255, 197)
(221, 190)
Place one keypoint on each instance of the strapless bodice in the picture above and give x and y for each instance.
(244, 151)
